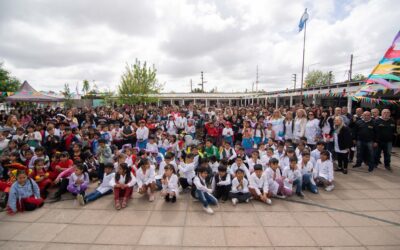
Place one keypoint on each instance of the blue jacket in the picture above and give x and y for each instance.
(18, 192)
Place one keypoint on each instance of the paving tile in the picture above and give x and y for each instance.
(20, 245)
(373, 236)
(241, 207)
(10, 229)
(279, 219)
(383, 247)
(140, 204)
(40, 232)
(65, 246)
(167, 218)
(335, 204)
(102, 203)
(162, 236)
(95, 217)
(377, 193)
(285, 236)
(366, 205)
(30, 216)
(199, 219)
(79, 234)
(395, 230)
(204, 236)
(277, 206)
(60, 215)
(246, 236)
(343, 248)
(389, 216)
(293, 206)
(211, 248)
(392, 204)
(120, 235)
(240, 219)
(314, 219)
(351, 194)
(157, 248)
(346, 219)
(180, 205)
(331, 236)
(111, 247)
(130, 217)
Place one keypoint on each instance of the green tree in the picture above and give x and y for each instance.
(137, 84)
(318, 78)
(197, 90)
(8, 83)
(67, 96)
(86, 86)
(359, 77)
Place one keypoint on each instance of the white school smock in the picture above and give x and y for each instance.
(312, 130)
(145, 178)
(122, 180)
(324, 169)
(105, 185)
(188, 171)
(237, 189)
(172, 185)
(258, 183)
(273, 185)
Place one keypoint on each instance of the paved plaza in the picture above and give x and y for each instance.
(363, 212)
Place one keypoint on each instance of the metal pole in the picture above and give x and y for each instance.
(351, 67)
(302, 65)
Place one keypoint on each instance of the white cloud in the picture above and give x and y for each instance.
(49, 43)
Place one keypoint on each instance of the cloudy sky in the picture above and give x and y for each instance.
(49, 43)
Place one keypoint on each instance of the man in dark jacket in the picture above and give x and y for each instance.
(364, 135)
(385, 128)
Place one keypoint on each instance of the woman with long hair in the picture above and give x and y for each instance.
(342, 143)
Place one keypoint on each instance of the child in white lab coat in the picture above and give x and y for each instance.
(169, 184)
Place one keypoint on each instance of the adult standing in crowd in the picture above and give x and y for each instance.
(385, 130)
(363, 134)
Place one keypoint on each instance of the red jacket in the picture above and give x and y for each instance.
(213, 132)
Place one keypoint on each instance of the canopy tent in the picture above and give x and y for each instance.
(28, 94)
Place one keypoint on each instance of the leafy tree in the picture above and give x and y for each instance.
(359, 77)
(8, 83)
(137, 83)
(197, 90)
(67, 96)
(318, 78)
(86, 86)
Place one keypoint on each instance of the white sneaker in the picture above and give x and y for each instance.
(151, 197)
(268, 201)
(80, 199)
(329, 188)
(208, 210)
(234, 201)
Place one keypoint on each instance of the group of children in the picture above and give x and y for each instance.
(211, 174)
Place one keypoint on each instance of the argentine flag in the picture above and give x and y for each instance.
(303, 20)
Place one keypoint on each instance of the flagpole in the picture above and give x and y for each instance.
(302, 65)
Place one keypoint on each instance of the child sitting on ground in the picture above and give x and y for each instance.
(292, 177)
(274, 179)
(307, 170)
(41, 177)
(259, 185)
(186, 168)
(201, 192)
(145, 177)
(221, 184)
(104, 189)
(78, 182)
(240, 188)
(169, 184)
(324, 172)
(122, 184)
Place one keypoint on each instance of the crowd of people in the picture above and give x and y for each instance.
(215, 153)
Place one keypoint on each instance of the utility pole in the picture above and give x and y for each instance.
(191, 85)
(257, 79)
(252, 87)
(351, 67)
(202, 82)
(294, 76)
